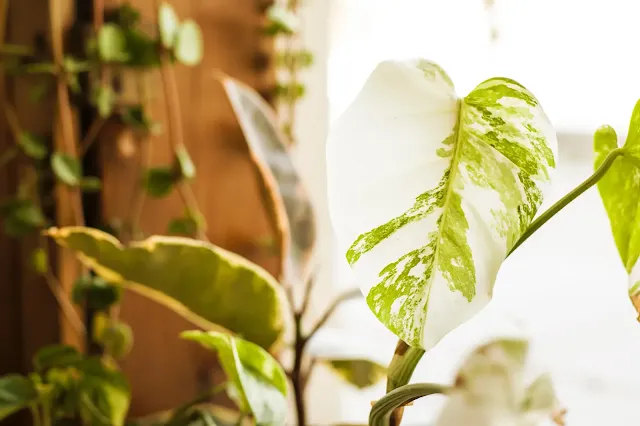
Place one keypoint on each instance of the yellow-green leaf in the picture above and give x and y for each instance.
(112, 44)
(188, 48)
(66, 168)
(210, 286)
(258, 380)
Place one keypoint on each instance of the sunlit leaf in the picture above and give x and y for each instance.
(168, 24)
(66, 168)
(16, 392)
(112, 44)
(210, 286)
(40, 261)
(104, 99)
(258, 378)
(189, 45)
(32, 145)
(620, 192)
(286, 196)
(428, 192)
(116, 337)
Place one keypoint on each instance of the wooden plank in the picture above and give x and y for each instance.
(165, 371)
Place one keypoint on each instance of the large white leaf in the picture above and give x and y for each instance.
(428, 192)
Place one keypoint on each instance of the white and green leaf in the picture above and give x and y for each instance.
(257, 380)
(428, 192)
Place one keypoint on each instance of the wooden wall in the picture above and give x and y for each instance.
(164, 371)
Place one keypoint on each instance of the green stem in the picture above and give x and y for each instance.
(35, 412)
(382, 410)
(564, 201)
(404, 362)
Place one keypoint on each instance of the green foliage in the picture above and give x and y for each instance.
(95, 292)
(66, 168)
(112, 44)
(104, 98)
(183, 165)
(257, 382)
(281, 21)
(32, 145)
(290, 91)
(187, 225)
(116, 337)
(40, 261)
(247, 300)
(135, 116)
(168, 25)
(159, 181)
(21, 216)
(16, 392)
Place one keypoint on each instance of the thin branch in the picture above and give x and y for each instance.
(92, 135)
(351, 294)
(68, 310)
(308, 289)
(176, 136)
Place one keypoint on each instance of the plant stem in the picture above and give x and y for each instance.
(35, 413)
(351, 294)
(382, 410)
(297, 378)
(564, 201)
(176, 136)
(404, 362)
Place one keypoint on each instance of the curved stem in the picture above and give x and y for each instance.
(336, 303)
(404, 362)
(382, 410)
(564, 201)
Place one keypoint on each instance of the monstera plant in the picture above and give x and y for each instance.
(429, 192)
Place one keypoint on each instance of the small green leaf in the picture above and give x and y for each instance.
(281, 21)
(300, 59)
(21, 217)
(115, 337)
(112, 44)
(143, 50)
(159, 181)
(40, 261)
(90, 184)
(66, 168)
(136, 117)
(183, 164)
(96, 292)
(56, 356)
(104, 394)
(290, 91)
(128, 16)
(184, 226)
(168, 24)
(32, 145)
(361, 373)
(225, 291)
(188, 49)
(258, 379)
(16, 392)
(104, 99)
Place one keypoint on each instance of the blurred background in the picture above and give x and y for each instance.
(565, 289)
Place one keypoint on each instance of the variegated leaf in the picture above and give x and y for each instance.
(428, 192)
(620, 192)
(272, 157)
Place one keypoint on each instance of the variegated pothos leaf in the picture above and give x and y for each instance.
(620, 192)
(428, 192)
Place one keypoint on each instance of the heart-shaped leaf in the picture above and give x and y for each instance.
(16, 392)
(258, 380)
(286, 195)
(428, 192)
(56, 356)
(189, 44)
(159, 181)
(66, 168)
(104, 394)
(21, 217)
(212, 287)
(620, 192)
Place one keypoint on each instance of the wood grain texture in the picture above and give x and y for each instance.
(165, 371)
